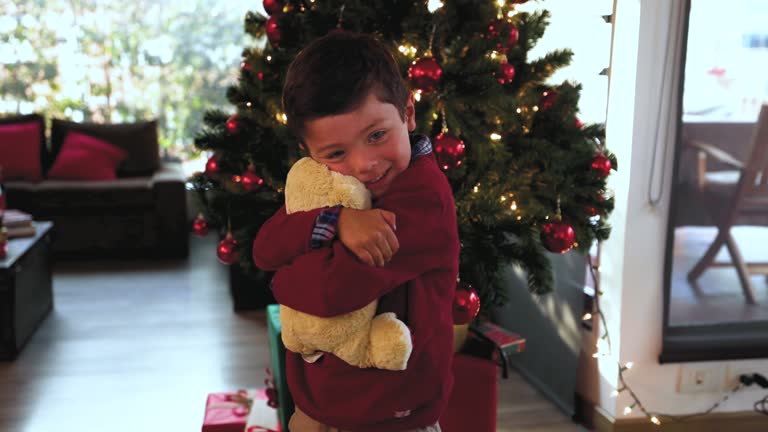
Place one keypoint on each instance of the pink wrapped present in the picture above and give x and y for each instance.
(263, 416)
(228, 412)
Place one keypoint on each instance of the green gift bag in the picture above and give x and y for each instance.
(277, 349)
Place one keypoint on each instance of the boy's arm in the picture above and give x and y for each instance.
(284, 237)
(330, 282)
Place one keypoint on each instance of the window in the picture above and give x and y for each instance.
(716, 291)
(108, 61)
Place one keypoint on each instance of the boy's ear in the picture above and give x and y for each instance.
(410, 114)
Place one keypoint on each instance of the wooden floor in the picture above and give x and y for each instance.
(136, 346)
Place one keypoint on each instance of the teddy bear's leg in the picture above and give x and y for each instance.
(390, 345)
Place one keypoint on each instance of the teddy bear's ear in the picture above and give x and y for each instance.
(307, 186)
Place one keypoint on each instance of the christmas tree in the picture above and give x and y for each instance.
(527, 176)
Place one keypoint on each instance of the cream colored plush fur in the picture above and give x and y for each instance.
(360, 338)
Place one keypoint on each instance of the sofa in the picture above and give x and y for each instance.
(99, 207)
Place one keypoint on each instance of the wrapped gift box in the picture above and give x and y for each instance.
(227, 411)
(491, 341)
(277, 349)
(473, 402)
(263, 417)
(243, 410)
(472, 406)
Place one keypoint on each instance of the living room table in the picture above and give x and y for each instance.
(26, 289)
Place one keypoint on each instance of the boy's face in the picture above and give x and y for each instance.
(370, 143)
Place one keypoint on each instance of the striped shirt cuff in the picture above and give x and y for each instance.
(324, 230)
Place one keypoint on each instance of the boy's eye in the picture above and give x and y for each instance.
(377, 135)
(335, 155)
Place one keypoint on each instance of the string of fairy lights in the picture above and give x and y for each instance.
(624, 387)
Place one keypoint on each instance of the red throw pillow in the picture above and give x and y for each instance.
(20, 151)
(84, 157)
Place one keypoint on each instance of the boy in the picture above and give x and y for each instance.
(347, 103)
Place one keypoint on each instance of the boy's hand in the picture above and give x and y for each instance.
(369, 234)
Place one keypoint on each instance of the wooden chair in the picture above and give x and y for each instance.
(749, 198)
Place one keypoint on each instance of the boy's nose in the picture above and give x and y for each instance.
(365, 167)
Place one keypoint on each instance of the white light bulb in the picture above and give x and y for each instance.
(434, 5)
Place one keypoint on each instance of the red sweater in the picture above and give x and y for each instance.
(417, 284)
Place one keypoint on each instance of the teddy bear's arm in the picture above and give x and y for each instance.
(282, 238)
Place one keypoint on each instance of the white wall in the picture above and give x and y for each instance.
(579, 26)
(632, 265)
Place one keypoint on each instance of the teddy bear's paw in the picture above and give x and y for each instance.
(391, 344)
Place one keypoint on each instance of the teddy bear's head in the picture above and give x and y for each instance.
(312, 185)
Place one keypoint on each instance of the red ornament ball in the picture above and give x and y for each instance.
(425, 74)
(547, 99)
(246, 66)
(200, 226)
(558, 236)
(212, 166)
(506, 73)
(260, 75)
(514, 36)
(578, 123)
(273, 7)
(250, 181)
(449, 151)
(601, 165)
(233, 124)
(227, 250)
(273, 30)
(466, 303)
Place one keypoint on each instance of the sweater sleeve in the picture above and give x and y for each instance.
(282, 238)
(332, 281)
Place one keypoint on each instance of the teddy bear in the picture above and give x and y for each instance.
(361, 338)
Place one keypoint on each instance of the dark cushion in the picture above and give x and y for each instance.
(30, 118)
(139, 140)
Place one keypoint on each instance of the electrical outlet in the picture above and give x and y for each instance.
(735, 371)
(701, 378)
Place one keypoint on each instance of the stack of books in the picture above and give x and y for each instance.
(18, 223)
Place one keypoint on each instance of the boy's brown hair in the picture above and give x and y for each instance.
(335, 73)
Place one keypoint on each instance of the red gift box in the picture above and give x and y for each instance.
(228, 412)
(472, 406)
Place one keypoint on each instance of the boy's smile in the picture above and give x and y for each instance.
(369, 143)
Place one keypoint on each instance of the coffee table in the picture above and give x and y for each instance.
(26, 289)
